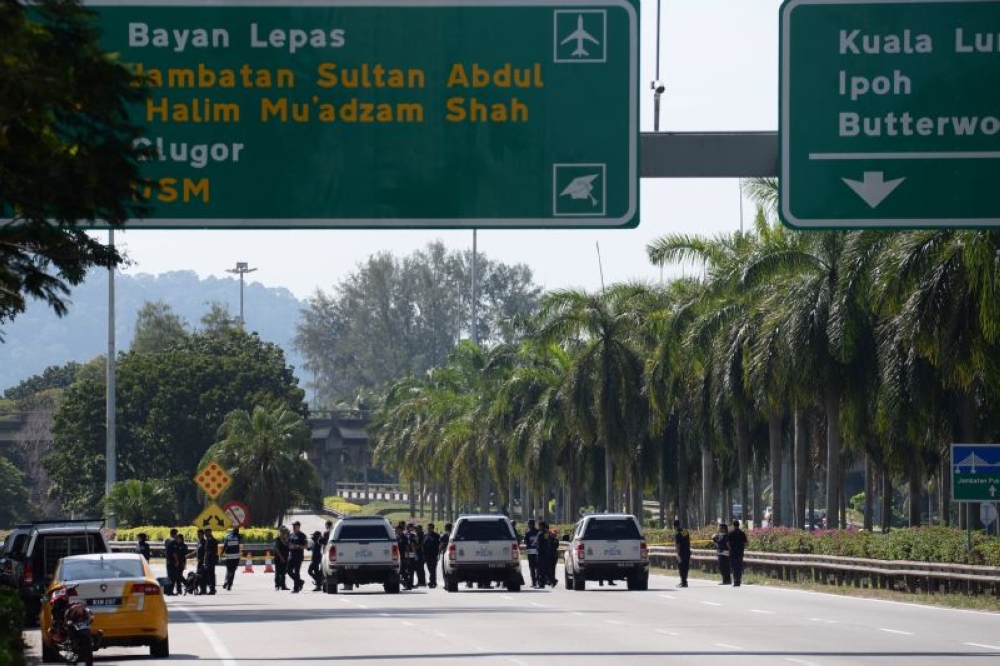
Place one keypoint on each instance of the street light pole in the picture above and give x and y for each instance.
(242, 268)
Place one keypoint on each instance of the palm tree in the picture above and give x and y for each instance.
(605, 379)
(135, 502)
(265, 454)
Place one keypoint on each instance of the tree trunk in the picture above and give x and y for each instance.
(413, 498)
(944, 490)
(743, 459)
(774, 436)
(707, 500)
(758, 513)
(915, 491)
(484, 485)
(609, 491)
(801, 465)
(832, 409)
(886, 499)
(661, 489)
(682, 482)
(869, 492)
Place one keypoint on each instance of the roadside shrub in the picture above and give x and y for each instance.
(157, 534)
(341, 505)
(11, 628)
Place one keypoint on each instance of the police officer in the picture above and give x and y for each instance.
(737, 545)
(443, 550)
(682, 546)
(403, 544)
(417, 538)
(209, 561)
(316, 560)
(431, 547)
(721, 539)
(531, 546)
(231, 555)
(297, 542)
(544, 554)
(281, 559)
(143, 547)
(169, 553)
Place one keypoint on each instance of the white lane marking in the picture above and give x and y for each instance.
(896, 631)
(667, 596)
(344, 600)
(801, 661)
(507, 597)
(384, 614)
(363, 606)
(819, 619)
(840, 597)
(407, 623)
(727, 646)
(213, 638)
(668, 633)
(984, 645)
(762, 612)
(578, 613)
(538, 605)
(517, 661)
(614, 622)
(440, 634)
(710, 603)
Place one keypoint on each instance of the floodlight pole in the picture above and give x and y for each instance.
(110, 453)
(242, 268)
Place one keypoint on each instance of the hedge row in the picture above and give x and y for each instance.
(158, 534)
(341, 505)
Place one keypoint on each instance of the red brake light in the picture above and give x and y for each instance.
(332, 553)
(29, 574)
(643, 551)
(515, 552)
(580, 550)
(452, 551)
(149, 589)
(395, 552)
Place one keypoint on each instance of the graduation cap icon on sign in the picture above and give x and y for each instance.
(581, 187)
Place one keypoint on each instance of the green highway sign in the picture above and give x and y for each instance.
(385, 113)
(975, 472)
(889, 113)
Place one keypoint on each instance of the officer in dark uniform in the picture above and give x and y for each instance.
(169, 552)
(316, 563)
(403, 544)
(544, 554)
(431, 548)
(417, 540)
(281, 559)
(682, 545)
(231, 544)
(531, 546)
(721, 539)
(297, 542)
(210, 560)
(443, 550)
(737, 545)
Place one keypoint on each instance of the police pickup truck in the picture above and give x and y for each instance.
(361, 550)
(607, 547)
(482, 549)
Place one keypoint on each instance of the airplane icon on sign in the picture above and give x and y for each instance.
(580, 36)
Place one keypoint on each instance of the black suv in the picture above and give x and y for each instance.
(45, 544)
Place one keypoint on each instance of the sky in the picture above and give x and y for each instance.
(719, 63)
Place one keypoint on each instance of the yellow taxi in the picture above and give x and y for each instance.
(122, 593)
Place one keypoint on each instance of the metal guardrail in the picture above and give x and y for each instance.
(900, 575)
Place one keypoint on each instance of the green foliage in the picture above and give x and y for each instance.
(13, 493)
(53, 377)
(135, 502)
(170, 407)
(921, 544)
(394, 317)
(11, 627)
(157, 534)
(66, 151)
(157, 328)
(264, 454)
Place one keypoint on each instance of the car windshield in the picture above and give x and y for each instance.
(363, 532)
(76, 570)
(483, 530)
(612, 530)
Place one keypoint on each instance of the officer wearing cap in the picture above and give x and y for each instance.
(316, 561)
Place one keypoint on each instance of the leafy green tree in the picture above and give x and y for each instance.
(13, 493)
(54, 376)
(134, 502)
(157, 328)
(170, 406)
(66, 151)
(264, 452)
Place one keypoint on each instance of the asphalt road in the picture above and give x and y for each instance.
(703, 624)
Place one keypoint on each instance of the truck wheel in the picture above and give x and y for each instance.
(330, 585)
(514, 586)
(567, 580)
(450, 584)
(160, 649)
(391, 588)
(579, 583)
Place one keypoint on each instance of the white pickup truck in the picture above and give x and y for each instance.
(607, 547)
(483, 549)
(362, 549)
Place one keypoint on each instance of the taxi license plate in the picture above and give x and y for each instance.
(103, 603)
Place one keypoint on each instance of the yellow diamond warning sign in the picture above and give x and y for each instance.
(212, 516)
(213, 479)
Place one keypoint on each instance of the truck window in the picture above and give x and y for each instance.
(612, 530)
(363, 533)
(484, 530)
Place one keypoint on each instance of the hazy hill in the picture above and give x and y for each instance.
(38, 338)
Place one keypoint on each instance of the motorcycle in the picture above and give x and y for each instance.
(70, 636)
